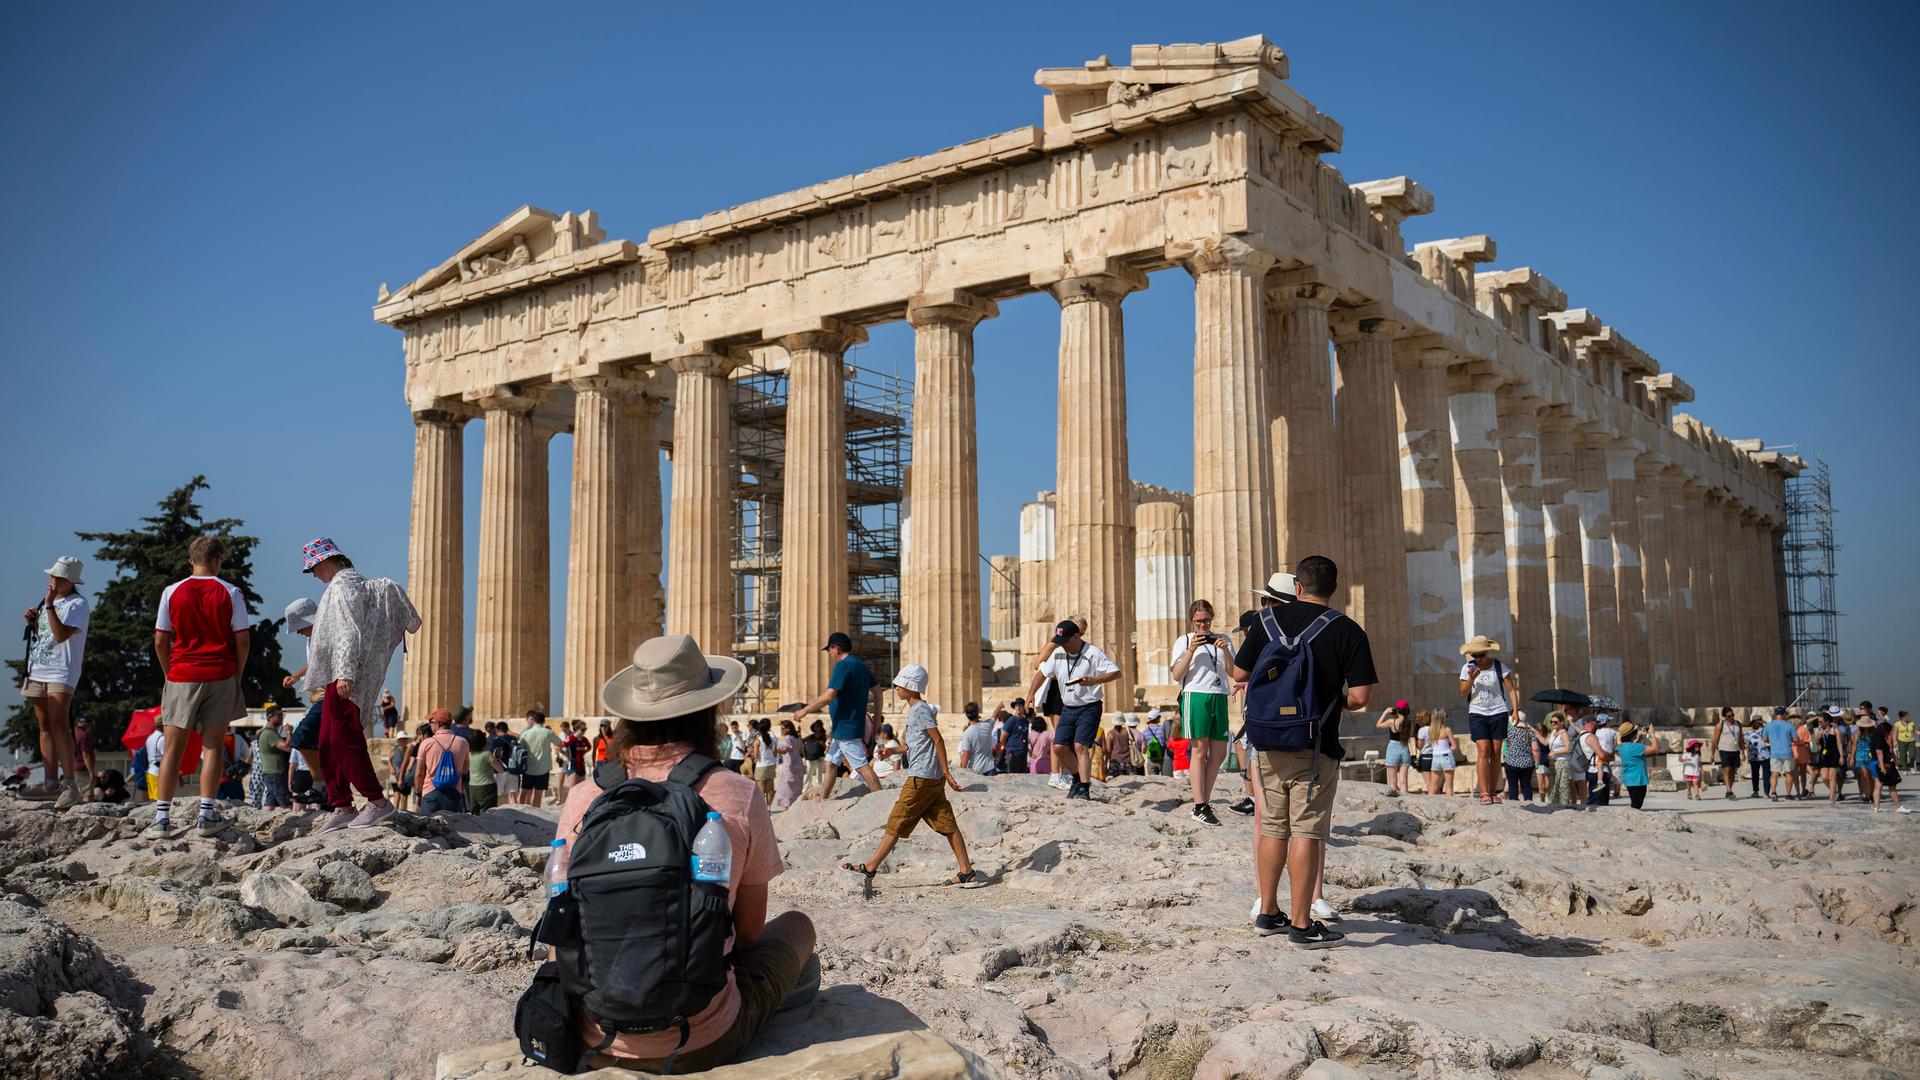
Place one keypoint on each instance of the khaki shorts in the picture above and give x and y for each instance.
(34, 688)
(921, 800)
(1296, 794)
(198, 706)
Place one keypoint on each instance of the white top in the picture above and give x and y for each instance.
(1207, 674)
(767, 756)
(1420, 738)
(1487, 697)
(156, 747)
(1091, 660)
(883, 766)
(1557, 741)
(49, 662)
(1609, 739)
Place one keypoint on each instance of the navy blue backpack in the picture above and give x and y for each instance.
(1281, 711)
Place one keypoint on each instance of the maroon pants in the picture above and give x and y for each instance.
(343, 752)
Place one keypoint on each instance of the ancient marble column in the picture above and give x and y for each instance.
(1651, 502)
(1233, 493)
(1429, 519)
(1526, 529)
(1372, 558)
(1300, 396)
(1566, 553)
(1037, 613)
(1756, 588)
(1592, 494)
(1163, 586)
(1093, 568)
(1003, 598)
(814, 586)
(510, 638)
(1484, 557)
(1709, 653)
(1676, 553)
(1630, 595)
(598, 593)
(1732, 592)
(700, 549)
(646, 615)
(940, 599)
(436, 564)
(1777, 572)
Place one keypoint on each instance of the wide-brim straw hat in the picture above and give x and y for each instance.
(1480, 643)
(670, 678)
(1280, 586)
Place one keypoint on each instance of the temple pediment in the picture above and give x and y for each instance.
(527, 236)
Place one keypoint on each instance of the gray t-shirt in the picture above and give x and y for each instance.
(922, 761)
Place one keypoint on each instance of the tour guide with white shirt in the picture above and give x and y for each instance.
(1080, 669)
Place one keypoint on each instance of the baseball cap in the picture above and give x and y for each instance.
(1401, 705)
(1779, 710)
(838, 638)
(1065, 631)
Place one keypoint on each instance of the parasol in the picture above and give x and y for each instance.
(141, 724)
(1558, 696)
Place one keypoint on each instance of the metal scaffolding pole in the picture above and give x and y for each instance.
(1813, 613)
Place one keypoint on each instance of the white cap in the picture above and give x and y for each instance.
(300, 613)
(1153, 714)
(912, 677)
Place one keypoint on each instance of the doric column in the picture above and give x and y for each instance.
(1733, 589)
(1037, 613)
(646, 616)
(1566, 553)
(1300, 396)
(1629, 590)
(1003, 597)
(1675, 544)
(1429, 519)
(1163, 586)
(1484, 557)
(510, 639)
(1592, 494)
(598, 597)
(1728, 653)
(1093, 498)
(940, 600)
(1777, 574)
(814, 585)
(1232, 439)
(1756, 588)
(436, 564)
(1526, 529)
(1372, 559)
(1651, 500)
(700, 548)
(1710, 685)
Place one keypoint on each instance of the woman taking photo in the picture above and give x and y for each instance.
(1399, 728)
(1493, 698)
(1635, 744)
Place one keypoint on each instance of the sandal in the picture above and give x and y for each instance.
(1486, 800)
(859, 868)
(968, 880)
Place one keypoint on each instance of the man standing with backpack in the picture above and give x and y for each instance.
(441, 769)
(1302, 663)
(1080, 670)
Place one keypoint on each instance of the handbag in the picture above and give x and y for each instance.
(546, 1023)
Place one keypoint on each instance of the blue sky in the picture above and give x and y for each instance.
(209, 196)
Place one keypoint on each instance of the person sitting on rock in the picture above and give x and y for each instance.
(923, 797)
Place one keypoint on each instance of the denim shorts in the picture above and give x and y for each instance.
(1398, 754)
(850, 753)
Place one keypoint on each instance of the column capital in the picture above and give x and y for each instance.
(1423, 351)
(1650, 466)
(1218, 253)
(1106, 280)
(1366, 322)
(815, 332)
(606, 384)
(1557, 418)
(445, 411)
(699, 358)
(1518, 409)
(645, 405)
(505, 398)
(950, 307)
(1301, 286)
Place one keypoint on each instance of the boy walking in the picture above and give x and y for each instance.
(923, 797)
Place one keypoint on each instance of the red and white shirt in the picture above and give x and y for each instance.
(202, 614)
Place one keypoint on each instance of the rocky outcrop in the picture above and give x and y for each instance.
(906, 1055)
(61, 1012)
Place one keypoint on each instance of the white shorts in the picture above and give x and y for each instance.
(851, 753)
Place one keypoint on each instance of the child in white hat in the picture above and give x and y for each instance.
(923, 797)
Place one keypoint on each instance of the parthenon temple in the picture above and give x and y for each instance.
(1477, 455)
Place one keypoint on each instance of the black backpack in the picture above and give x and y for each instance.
(640, 946)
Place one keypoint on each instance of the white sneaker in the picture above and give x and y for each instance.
(373, 815)
(339, 819)
(1904, 810)
(157, 829)
(1324, 911)
(68, 798)
(1057, 780)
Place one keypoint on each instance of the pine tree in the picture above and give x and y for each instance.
(120, 673)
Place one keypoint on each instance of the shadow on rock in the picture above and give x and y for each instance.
(841, 1012)
(1468, 918)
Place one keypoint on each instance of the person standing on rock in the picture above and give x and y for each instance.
(540, 742)
(1727, 742)
(976, 742)
(201, 636)
(1779, 733)
(1493, 699)
(1199, 668)
(270, 762)
(483, 789)
(1011, 746)
(845, 702)
(1635, 744)
(59, 644)
(923, 797)
(437, 797)
(1081, 670)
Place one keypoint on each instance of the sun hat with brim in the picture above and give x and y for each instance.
(300, 614)
(68, 567)
(1280, 586)
(1479, 644)
(1835, 710)
(1627, 729)
(317, 551)
(670, 678)
(912, 677)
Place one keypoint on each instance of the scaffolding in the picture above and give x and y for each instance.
(877, 411)
(1813, 615)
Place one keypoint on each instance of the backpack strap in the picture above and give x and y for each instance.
(609, 774)
(1271, 624)
(691, 769)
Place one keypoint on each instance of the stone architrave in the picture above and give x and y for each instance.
(1485, 559)
(1593, 495)
(1629, 589)
(1566, 553)
(940, 599)
(646, 615)
(434, 674)
(1037, 613)
(814, 584)
(510, 642)
(699, 563)
(1373, 561)
(1711, 687)
(598, 599)
(1526, 531)
(1651, 502)
(1300, 396)
(1093, 569)
(1431, 529)
(1163, 584)
(1003, 597)
(1233, 492)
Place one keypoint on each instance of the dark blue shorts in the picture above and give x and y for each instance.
(306, 733)
(1077, 725)
(1487, 728)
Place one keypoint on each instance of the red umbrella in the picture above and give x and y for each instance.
(141, 724)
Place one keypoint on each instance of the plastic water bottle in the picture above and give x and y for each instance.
(713, 852)
(556, 871)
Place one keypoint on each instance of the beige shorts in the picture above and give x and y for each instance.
(1296, 794)
(34, 688)
(198, 706)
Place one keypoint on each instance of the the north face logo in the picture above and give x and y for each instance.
(628, 853)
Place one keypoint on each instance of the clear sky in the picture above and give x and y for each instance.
(209, 196)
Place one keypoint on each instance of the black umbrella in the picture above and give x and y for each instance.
(1557, 696)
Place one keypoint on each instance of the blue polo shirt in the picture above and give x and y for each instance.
(1779, 735)
(850, 683)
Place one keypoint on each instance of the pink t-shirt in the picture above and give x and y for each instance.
(1040, 752)
(756, 861)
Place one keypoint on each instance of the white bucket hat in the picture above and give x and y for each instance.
(66, 566)
(299, 614)
(670, 678)
(912, 677)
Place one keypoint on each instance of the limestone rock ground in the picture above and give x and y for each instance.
(1112, 942)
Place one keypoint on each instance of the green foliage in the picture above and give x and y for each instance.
(121, 674)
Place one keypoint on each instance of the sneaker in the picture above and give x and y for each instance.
(39, 792)
(1324, 911)
(211, 825)
(339, 819)
(1057, 780)
(158, 829)
(1269, 925)
(1203, 813)
(1904, 810)
(1315, 936)
(373, 815)
(1244, 807)
(68, 798)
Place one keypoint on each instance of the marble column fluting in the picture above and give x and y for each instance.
(1372, 560)
(1755, 586)
(1526, 528)
(1093, 566)
(598, 595)
(1163, 586)
(1003, 598)
(646, 614)
(1592, 494)
(1728, 653)
(1233, 490)
(1300, 395)
(699, 548)
(1777, 566)
(436, 564)
(1484, 555)
(1429, 521)
(1566, 553)
(814, 585)
(1676, 553)
(1037, 613)
(1651, 502)
(1711, 685)
(1630, 595)
(511, 602)
(940, 601)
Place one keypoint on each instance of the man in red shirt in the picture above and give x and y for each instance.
(201, 636)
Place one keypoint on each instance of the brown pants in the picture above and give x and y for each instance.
(765, 971)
